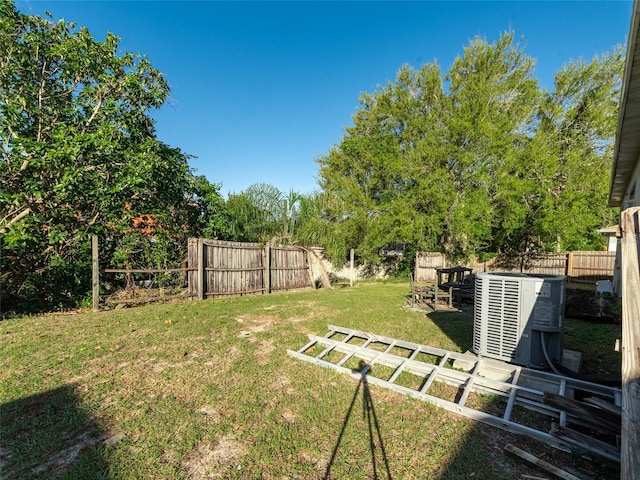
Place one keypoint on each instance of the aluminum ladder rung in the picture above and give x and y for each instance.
(402, 366)
(434, 373)
(512, 396)
(469, 386)
(348, 356)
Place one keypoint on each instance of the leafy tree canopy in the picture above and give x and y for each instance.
(480, 159)
(80, 156)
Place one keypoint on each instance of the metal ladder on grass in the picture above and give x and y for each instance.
(450, 380)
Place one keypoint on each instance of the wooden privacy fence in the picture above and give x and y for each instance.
(219, 268)
(426, 265)
(578, 266)
(591, 266)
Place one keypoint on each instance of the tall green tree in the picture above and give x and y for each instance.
(492, 102)
(420, 163)
(579, 122)
(79, 153)
(379, 169)
(552, 194)
(479, 160)
(208, 215)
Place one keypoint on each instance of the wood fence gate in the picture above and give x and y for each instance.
(220, 268)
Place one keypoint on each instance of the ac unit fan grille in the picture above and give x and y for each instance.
(503, 312)
(477, 315)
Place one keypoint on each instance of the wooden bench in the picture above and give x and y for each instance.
(419, 293)
(452, 284)
(454, 281)
(425, 294)
(441, 292)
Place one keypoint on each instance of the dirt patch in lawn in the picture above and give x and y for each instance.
(255, 324)
(208, 462)
(263, 351)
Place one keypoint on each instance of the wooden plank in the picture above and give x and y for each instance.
(533, 460)
(570, 260)
(232, 245)
(594, 417)
(155, 298)
(200, 279)
(585, 442)
(148, 270)
(267, 268)
(288, 268)
(234, 270)
(95, 274)
(604, 405)
(235, 293)
(630, 246)
(192, 258)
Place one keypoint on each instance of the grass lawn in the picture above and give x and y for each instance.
(206, 390)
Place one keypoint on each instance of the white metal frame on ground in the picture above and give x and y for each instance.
(518, 385)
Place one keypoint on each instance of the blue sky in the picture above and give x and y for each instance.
(260, 90)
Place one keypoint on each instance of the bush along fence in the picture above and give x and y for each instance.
(220, 268)
(578, 266)
(135, 283)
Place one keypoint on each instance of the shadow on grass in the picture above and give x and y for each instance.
(458, 326)
(50, 436)
(376, 442)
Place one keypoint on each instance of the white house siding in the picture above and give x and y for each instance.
(632, 194)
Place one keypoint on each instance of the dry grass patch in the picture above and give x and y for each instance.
(210, 462)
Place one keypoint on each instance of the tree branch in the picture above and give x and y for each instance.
(15, 219)
(40, 99)
(96, 109)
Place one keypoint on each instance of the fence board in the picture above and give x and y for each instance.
(591, 266)
(547, 264)
(192, 261)
(289, 268)
(426, 265)
(630, 438)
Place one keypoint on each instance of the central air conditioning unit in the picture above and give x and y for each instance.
(517, 318)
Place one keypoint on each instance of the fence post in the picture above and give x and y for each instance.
(351, 273)
(570, 264)
(95, 274)
(267, 268)
(201, 270)
(630, 434)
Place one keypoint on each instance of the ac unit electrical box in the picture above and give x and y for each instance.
(517, 316)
